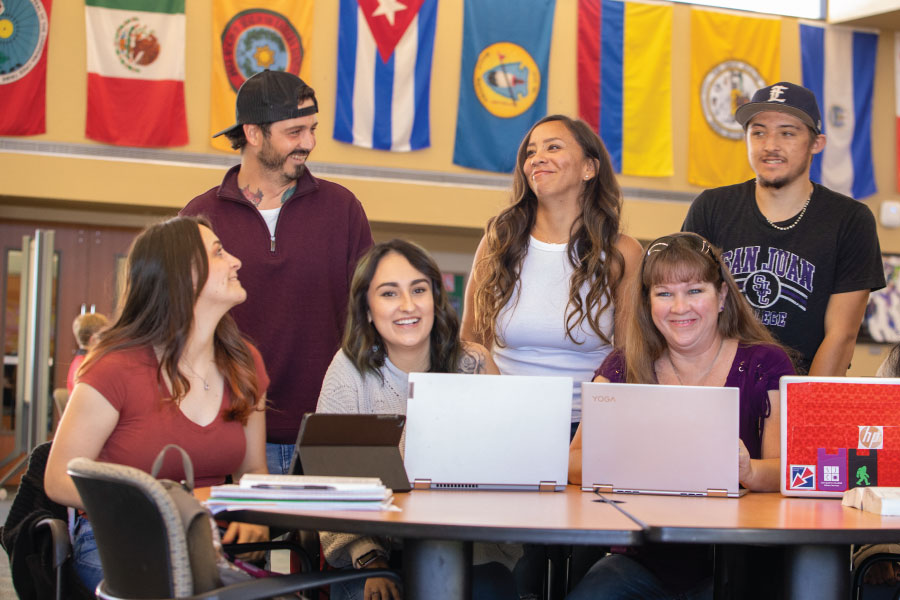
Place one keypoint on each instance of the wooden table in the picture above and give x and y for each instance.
(818, 531)
(438, 528)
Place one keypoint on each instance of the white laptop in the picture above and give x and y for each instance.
(488, 432)
(660, 439)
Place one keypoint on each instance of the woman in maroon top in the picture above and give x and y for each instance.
(690, 325)
(172, 369)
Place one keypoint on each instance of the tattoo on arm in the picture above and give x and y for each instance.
(288, 193)
(472, 362)
(255, 198)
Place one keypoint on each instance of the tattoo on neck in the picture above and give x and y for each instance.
(288, 193)
(255, 198)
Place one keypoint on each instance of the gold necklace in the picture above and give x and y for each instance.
(705, 373)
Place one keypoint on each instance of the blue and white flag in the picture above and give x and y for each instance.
(503, 82)
(839, 68)
(384, 73)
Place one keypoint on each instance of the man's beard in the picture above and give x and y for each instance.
(272, 161)
(780, 182)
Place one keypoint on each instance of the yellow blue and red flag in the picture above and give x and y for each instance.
(625, 82)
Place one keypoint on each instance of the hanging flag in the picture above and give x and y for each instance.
(24, 27)
(628, 47)
(839, 67)
(897, 99)
(503, 82)
(135, 62)
(384, 74)
(732, 56)
(250, 36)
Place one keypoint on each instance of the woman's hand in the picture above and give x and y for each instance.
(246, 533)
(745, 468)
(380, 588)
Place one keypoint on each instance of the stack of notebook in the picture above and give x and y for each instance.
(286, 493)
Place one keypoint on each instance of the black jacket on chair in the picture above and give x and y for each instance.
(30, 546)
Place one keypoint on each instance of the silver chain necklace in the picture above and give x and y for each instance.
(796, 220)
(196, 374)
(705, 373)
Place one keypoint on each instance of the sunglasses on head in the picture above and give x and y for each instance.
(660, 244)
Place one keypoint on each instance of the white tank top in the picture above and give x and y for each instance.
(533, 324)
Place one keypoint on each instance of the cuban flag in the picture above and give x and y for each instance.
(839, 67)
(384, 73)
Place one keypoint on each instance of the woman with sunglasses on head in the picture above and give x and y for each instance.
(172, 369)
(399, 320)
(552, 270)
(691, 326)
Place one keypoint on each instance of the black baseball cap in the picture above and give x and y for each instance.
(270, 96)
(783, 97)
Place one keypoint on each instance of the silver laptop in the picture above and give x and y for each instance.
(660, 439)
(487, 432)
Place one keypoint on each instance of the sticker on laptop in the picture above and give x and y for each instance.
(803, 477)
(832, 469)
(871, 437)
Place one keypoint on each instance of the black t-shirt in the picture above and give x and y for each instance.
(789, 276)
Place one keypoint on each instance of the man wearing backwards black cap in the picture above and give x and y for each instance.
(298, 238)
(805, 256)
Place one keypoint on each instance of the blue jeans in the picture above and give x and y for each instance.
(85, 557)
(618, 577)
(490, 581)
(278, 458)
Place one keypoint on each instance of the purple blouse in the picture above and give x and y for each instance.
(756, 370)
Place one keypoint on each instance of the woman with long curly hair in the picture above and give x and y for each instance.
(172, 369)
(551, 271)
(399, 320)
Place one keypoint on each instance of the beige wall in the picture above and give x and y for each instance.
(445, 216)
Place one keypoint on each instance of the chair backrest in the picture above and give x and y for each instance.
(139, 533)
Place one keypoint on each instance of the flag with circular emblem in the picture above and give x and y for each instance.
(732, 56)
(503, 85)
(24, 27)
(250, 36)
(135, 60)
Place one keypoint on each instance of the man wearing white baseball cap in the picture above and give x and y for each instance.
(804, 256)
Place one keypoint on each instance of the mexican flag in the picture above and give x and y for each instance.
(135, 61)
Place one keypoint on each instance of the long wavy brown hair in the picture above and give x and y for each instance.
(167, 268)
(591, 252)
(362, 342)
(676, 258)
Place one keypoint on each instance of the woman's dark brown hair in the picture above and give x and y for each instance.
(166, 270)
(591, 248)
(676, 258)
(362, 342)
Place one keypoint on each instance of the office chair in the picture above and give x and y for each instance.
(146, 551)
(36, 538)
(867, 591)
